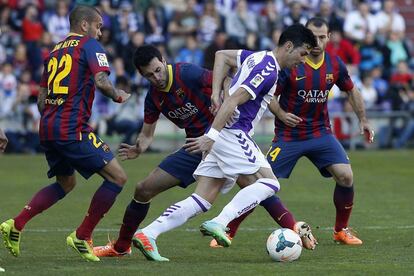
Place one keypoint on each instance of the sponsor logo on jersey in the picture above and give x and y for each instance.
(102, 60)
(257, 80)
(314, 96)
(298, 78)
(183, 112)
(59, 101)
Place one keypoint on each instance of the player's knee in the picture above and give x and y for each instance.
(143, 192)
(67, 183)
(346, 178)
(121, 178)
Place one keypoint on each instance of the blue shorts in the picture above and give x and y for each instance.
(87, 156)
(181, 165)
(322, 152)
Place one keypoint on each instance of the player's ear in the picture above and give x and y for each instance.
(84, 26)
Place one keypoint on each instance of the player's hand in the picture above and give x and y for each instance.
(127, 152)
(291, 119)
(367, 131)
(122, 96)
(200, 144)
(3, 141)
(215, 103)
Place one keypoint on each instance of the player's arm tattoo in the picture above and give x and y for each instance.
(41, 99)
(105, 85)
(357, 103)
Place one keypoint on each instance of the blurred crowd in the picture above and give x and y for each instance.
(368, 35)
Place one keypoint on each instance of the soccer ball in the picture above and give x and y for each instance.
(284, 245)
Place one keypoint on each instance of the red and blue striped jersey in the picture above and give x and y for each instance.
(304, 92)
(69, 78)
(185, 101)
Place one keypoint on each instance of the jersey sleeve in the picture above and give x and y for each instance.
(151, 112)
(96, 57)
(261, 78)
(344, 81)
(241, 56)
(282, 81)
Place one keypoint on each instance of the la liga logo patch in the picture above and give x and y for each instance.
(102, 60)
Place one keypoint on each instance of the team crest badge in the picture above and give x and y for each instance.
(106, 148)
(329, 78)
(180, 93)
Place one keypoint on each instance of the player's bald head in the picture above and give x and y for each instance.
(80, 13)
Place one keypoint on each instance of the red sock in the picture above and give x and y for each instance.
(235, 223)
(279, 212)
(101, 202)
(135, 213)
(343, 199)
(41, 201)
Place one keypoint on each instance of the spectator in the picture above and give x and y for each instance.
(58, 23)
(398, 49)
(191, 53)
(371, 54)
(183, 24)
(326, 12)
(368, 92)
(219, 43)
(240, 22)
(342, 47)
(296, 15)
(154, 25)
(210, 22)
(360, 22)
(388, 20)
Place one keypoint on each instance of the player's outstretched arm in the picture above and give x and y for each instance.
(355, 99)
(105, 85)
(144, 140)
(287, 118)
(3, 140)
(224, 61)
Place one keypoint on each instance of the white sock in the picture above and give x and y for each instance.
(176, 215)
(247, 199)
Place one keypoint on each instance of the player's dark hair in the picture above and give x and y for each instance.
(82, 12)
(144, 54)
(298, 35)
(317, 22)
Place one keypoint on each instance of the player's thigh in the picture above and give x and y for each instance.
(181, 165)
(283, 156)
(114, 173)
(155, 183)
(209, 188)
(324, 152)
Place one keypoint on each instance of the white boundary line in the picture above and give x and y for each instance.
(247, 229)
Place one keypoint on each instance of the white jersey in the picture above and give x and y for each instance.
(257, 73)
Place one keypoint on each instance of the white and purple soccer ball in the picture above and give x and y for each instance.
(284, 245)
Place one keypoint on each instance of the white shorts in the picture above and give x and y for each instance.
(233, 153)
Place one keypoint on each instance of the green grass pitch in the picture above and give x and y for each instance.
(383, 216)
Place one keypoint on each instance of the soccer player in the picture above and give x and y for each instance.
(233, 153)
(3, 140)
(302, 126)
(182, 93)
(74, 67)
